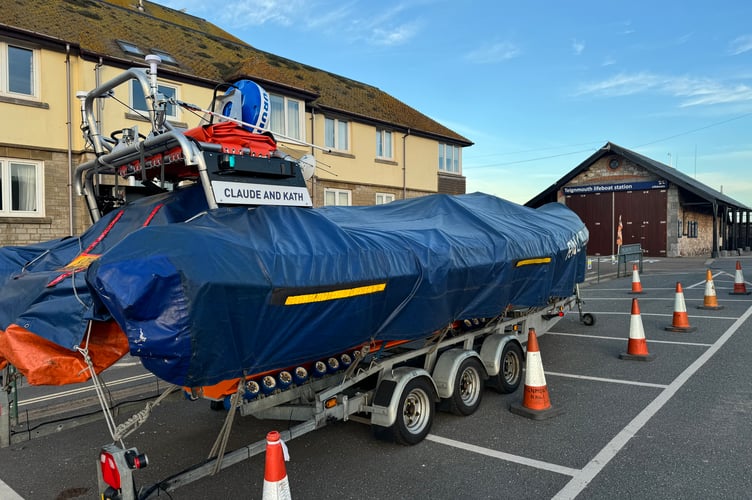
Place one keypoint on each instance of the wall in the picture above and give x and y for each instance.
(359, 165)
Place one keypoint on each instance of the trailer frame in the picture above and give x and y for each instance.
(342, 396)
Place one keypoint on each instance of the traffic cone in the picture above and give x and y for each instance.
(680, 322)
(740, 288)
(637, 346)
(276, 486)
(535, 401)
(636, 285)
(711, 300)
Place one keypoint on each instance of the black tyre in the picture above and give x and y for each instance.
(414, 414)
(510, 373)
(588, 319)
(468, 388)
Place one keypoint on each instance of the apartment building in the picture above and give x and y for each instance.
(378, 149)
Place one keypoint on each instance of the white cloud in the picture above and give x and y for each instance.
(691, 91)
(494, 53)
(240, 13)
(741, 45)
(622, 84)
(578, 46)
(347, 21)
(395, 35)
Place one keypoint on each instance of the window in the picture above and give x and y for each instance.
(138, 101)
(449, 159)
(383, 143)
(21, 192)
(166, 58)
(336, 134)
(336, 197)
(692, 229)
(680, 228)
(382, 198)
(286, 117)
(18, 71)
(130, 48)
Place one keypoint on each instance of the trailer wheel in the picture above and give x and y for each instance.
(414, 414)
(588, 319)
(468, 388)
(510, 375)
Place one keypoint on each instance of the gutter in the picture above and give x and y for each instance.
(404, 165)
(69, 126)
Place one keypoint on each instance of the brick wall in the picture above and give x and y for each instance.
(55, 223)
(361, 194)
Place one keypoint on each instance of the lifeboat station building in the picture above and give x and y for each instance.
(626, 198)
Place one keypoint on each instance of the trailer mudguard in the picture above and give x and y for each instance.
(445, 371)
(386, 399)
(490, 352)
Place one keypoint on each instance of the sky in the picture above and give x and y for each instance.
(537, 86)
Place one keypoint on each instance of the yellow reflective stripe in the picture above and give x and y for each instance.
(334, 294)
(539, 260)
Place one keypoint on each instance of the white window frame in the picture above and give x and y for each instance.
(338, 195)
(5, 71)
(173, 111)
(340, 134)
(450, 159)
(6, 203)
(130, 48)
(285, 129)
(381, 135)
(384, 198)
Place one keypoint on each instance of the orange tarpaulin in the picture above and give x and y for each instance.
(45, 363)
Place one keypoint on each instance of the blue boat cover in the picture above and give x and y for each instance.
(238, 291)
(44, 294)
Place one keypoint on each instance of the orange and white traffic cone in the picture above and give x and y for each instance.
(711, 300)
(535, 401)
(680, 322)
(636, 285)
(637, 346)
(276, 485)
(740, 287)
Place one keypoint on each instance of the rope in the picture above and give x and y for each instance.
(117, 432)
(220, 445)
(132, 424)
(98, 386)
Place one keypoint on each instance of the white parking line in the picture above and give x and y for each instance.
(652, 299)
(80, 390)
(559, 469)
(583, 477)
(7, 493)
(663, 315)
(622, 339)
(609, 380)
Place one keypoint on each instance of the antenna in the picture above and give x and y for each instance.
(695, 161)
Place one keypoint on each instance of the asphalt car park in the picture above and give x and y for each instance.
(674, 427)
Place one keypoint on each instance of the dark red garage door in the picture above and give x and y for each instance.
(643, 217)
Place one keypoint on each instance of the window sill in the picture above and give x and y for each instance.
(9, 219)
(340, 154)
(451, 174)
(386, 162)
(139, 118)
(24, 102)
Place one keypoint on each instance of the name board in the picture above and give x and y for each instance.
(610, 188)
(246, 193)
